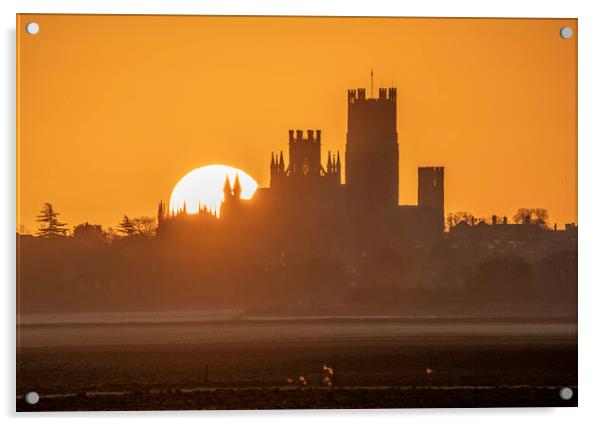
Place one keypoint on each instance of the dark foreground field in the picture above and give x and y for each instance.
(444, 369)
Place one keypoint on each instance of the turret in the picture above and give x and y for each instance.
(281, 163)
(227, 189)
(274, 170)
(161, 213)
(237, 189)
(231, 203)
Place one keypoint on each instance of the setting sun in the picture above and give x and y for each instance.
(203, 187)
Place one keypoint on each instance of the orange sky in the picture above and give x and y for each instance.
(114, 110)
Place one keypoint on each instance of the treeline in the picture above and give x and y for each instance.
(523, 216)
(50, 227)
(94, 270)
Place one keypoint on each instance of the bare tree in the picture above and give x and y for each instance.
(522, 216)
(50, 227)
(450, 221)
(541, 218)
(111, 234)
(456, 217)
(536, 216)
(144, 225)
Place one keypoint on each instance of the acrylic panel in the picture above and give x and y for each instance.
(220, 212)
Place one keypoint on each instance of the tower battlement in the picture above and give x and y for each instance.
(433, 170)
(296, 136)
(384, 94)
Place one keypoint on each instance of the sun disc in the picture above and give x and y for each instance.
(203, 188)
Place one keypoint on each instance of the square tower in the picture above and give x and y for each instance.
(372, 151)
(304, 153)
(431, 195)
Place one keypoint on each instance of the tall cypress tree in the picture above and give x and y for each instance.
(126, 226)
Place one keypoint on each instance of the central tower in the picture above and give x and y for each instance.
(372, 151)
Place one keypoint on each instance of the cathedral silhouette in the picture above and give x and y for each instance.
(307, 209)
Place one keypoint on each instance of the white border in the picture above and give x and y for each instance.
(508, 8)
(590, 206)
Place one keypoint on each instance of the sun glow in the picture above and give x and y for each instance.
(203, 188)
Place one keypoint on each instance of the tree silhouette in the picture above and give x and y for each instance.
(50, 227)
(144, 225)
(454, 218)
(88, 232)
(111, 234)
(126, 227)
(537, 217)
(541, 217)
(450, 221)
(523, 216)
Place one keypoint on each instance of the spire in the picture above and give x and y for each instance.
(281, 163)
(338, 167)
(274, 165)
(237, 188)
(227, 186)
(329, 164)
(160, 213)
